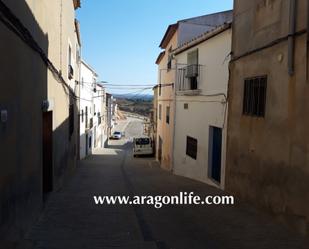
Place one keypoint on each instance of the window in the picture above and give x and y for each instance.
(91, 123)
(86, 116)
(191, 149)
(167, 114)
(169, 59)
(254, 102)
(185, 106)
(192, 69)
(159, 89)
(160, 112)
(82, 116)
(70, 67)
(99, 118)
(142, 141)
(71, 120)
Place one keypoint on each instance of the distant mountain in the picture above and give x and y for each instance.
(144, 97)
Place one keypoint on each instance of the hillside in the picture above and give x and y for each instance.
(135, 105)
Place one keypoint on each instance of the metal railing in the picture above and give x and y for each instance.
(188, 78)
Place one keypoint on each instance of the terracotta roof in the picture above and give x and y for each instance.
(201, 38)
(76, 4)
(168, 35)
(160, 57)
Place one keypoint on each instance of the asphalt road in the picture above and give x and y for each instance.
(72, 220)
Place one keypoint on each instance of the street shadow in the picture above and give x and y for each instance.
(23, 77)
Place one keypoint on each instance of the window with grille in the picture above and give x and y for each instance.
(254, 102)
(167, 114)
(191, 149)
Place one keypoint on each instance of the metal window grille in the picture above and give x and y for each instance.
(167, 114)
(191, 149)
(254, 101)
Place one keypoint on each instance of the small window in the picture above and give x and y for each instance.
(186, 106)
(86, 116)
(254, 102)
(160, 112)
(160, 90)
(191, 149)
(169, 59)
(82, 116)
(99, 118)
(167, 114)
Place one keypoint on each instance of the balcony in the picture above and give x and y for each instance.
(188, 80)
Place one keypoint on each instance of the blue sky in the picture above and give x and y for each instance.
(120, 38)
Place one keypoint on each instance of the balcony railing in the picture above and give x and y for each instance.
(188, 79)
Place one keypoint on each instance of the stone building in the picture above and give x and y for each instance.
(268, 138)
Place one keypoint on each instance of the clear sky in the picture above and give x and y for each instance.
(120, 38)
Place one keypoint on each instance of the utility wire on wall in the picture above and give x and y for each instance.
(15, 25)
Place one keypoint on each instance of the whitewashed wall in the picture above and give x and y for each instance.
(203, 111)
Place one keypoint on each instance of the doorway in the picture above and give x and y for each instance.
(215, 153)
(47, 153)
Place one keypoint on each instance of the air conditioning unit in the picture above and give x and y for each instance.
(192, 71)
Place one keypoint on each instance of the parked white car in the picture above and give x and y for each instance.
(142, 146)
(117, 135)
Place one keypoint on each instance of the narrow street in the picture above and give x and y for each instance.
(72, 220)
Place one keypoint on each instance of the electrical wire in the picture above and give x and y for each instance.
(15, 25)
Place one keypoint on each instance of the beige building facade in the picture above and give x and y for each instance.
(38, 105)
(268, 153)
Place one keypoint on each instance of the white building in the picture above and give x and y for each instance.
(92, 111)
(110, 113)
(201, 106)
(99, 117)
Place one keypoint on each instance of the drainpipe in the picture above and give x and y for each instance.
(291, 37)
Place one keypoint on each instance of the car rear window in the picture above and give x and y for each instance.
(142, 141)
(117, 133)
